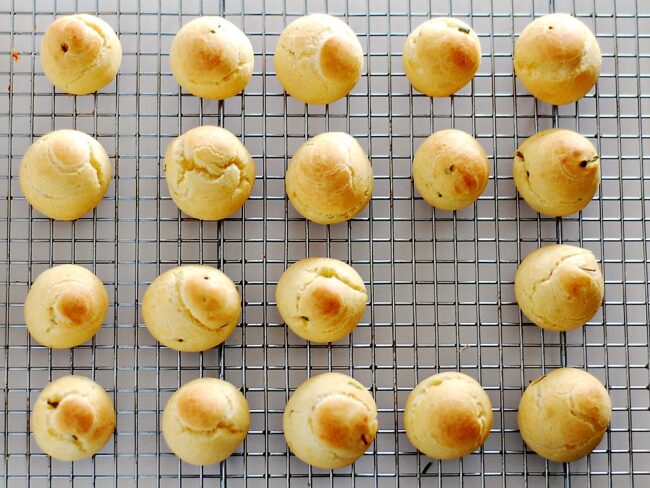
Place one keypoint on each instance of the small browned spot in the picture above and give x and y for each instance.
(550, 27)
(452, 168)
(64, 47)
(439, 195)
(212, 31)
(53, 403)
(464, 30)
(527, 173)
(583, 164)
(364, 439)
(180, 340)
(206, 278)
(305, 318)
(519, 154)
(74, 437)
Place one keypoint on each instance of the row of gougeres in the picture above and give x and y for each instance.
(318, 58)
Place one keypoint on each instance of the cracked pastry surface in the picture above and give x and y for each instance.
(448, 415)
(329, 179)
(441, 56)
(205, 421)
(557, 58)
(209, 172)
(559, 287)
(557, 172)
(73, 418)
(211, 58)
(80, 53)
(330, 421)
(191, 308)
(450, 169)
(318, 59)
(321, 299)
(65, 306)
(564, 414)
(65, 174)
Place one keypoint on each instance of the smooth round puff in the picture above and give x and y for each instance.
(450, 169)
(65, 306)
(330, 178)
(191, 308)
(318, 59)
(448, 415)
(65, 174)
(557, 172)
(73, 418)
(209, 172)
(441, 56)
(564, 414)
(557, 58)
(559, 287)
(321, 299)
(205, 421)
(80, 53)
(211, 58)
(330, 421)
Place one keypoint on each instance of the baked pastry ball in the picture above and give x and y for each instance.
(65, 306)
(205, 421)
(450, 169)
(80, 53)
(557, 58)
(330, 178)
(559, 287)
(318, 59)
(557, 172)
(563, 415)
(448, 415)
(441, 56)
(191, 308)
(211, 58)
(73, 418)
(209, 172)
(65, 174)
(330, 421)
(321, 299)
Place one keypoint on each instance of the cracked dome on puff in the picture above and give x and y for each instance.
(191, 308)
(65, 174)
(209, 172)
(559, 287)
(329, 179)
(211, 58)
(321, 299)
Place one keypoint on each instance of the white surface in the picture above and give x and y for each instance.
(446, 272)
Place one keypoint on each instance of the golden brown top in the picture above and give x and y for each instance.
(343, 423)
(201, 408)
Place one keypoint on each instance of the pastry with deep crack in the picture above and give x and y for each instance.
(205, 421)
(209, 172)
(441, 56)
(211, 58)
(448, 415)
(330, 421)
(557, 172)
(80, 53)
(73, 418)
(563, 415)
(65, 174)
(318, 59)
(559, 287)
(329, 179)
(65, 306)
(321, 299)
(450, 169)
(191, 308)
(557, 58)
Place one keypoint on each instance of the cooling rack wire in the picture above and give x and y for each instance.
(449, 273)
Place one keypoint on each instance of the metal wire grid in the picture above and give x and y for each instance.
(445, 272)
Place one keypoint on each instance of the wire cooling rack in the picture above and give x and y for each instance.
(449, 273)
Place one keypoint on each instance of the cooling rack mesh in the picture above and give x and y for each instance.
(449, 273)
